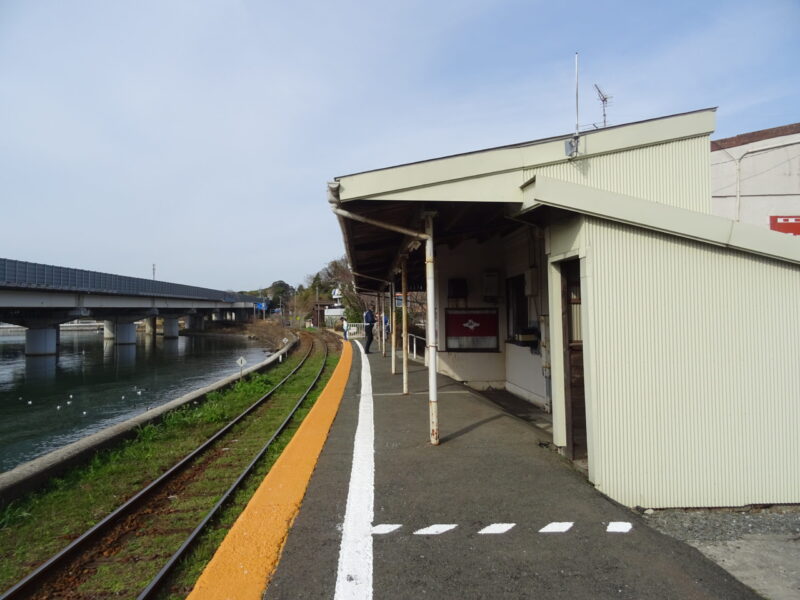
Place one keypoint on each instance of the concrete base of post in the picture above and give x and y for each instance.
(41, 341)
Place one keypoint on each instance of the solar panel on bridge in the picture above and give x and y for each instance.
(23, 274)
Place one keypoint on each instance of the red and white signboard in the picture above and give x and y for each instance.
(785, 224)
(475, 329)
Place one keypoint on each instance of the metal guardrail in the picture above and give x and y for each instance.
(22, 274)
(412, 346)
(355, 330)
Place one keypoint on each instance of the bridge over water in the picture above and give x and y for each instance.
(41, 297)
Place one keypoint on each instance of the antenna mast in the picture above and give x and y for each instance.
(571, 145)
(604, 98)
(576, 94)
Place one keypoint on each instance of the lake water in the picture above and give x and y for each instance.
(48, 402)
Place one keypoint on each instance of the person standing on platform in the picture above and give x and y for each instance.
(344, 327)
(369, 324)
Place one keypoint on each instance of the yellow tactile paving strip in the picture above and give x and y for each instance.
(247, 557)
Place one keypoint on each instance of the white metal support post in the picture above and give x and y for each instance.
(381, 308)
(404, 289)
(430, 326)
(394, 328)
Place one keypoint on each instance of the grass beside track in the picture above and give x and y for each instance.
(47, 520)
(186, 573)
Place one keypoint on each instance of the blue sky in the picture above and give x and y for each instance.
(199, 135)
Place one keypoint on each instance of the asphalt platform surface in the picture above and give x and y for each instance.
(488, 470)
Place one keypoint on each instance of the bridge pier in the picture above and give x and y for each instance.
(41, 341)
(171, 328)
(150, 327)
(119, 331)
(126, 333)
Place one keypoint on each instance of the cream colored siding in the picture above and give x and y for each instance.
(674, 173)
(384, 182)
(694, 367)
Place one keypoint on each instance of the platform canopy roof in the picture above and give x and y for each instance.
(481, 194)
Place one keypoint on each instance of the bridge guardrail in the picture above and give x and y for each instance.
(23, 274)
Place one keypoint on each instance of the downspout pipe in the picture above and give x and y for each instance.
(739, 171)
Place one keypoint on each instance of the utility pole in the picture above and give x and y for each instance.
(154, 271)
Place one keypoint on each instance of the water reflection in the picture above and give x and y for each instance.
(39, 368)
(108, 352)
(126, 356)
(172, 347)
(97, 374)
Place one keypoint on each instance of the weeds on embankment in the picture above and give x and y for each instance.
(47, 520)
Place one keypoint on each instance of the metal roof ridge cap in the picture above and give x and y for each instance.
(732, 238)
(623, 209)
(766, 242)
(529, 143)
(377, 196)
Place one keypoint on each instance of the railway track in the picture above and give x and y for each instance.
(134, 551)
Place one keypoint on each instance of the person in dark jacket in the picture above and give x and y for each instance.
(369, 324)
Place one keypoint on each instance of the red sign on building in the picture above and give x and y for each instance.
(471, 329)
(785, 224)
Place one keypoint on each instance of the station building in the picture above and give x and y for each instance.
(589, 276)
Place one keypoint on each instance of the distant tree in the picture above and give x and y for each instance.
(338, 273)
(280, 293)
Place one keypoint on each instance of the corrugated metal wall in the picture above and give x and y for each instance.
(694, 367)
(674, 173)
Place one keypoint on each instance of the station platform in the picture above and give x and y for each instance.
(489, 513)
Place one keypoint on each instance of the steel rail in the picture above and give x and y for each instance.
(43, 571)
(154, 584)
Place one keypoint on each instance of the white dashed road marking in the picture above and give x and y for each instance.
(385, 528)
(556, 527)
(495, 528)
(436, 529)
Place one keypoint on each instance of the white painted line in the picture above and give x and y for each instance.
(384, 528)
(436, 529)
(354, 575)
(619, 527)
(495, 528)
(556, 527)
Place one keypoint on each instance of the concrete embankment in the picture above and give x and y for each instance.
(29, 475)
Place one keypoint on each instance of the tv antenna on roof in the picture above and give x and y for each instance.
(604, 98)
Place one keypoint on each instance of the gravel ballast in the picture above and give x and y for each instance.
(760, 546)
